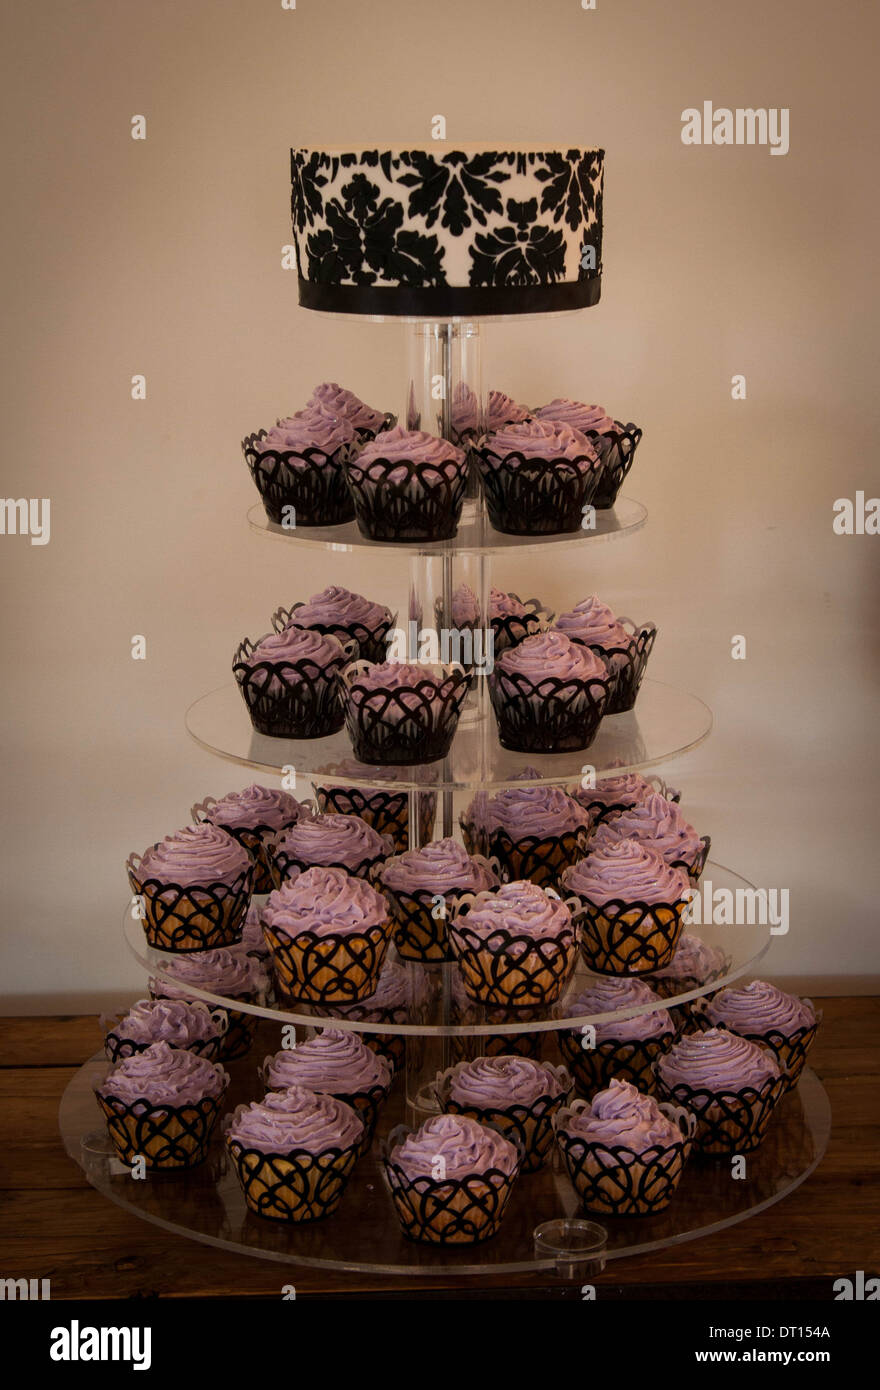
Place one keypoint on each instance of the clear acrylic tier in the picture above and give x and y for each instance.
(665, 722)
(206, 1203)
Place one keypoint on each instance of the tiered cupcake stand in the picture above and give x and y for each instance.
(543, 1229)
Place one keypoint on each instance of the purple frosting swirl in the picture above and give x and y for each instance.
(503, 410)
(333, 839)
(338, 607)
(343, 405)
(522, 909)
(399, 446)
(621, 1116)
(541, 439)
(528, 810)
(760, 1008)
(498, 1083)
(438, 867)
(465, 1147)
(577, 415)
(656, 823)
(163, 1075)
(175, 1021)
(629, 789)
(221, 971)
(325, 902)
(311, 428)
(465, 607)
(716, 1061)
(254, 806)
(464, 409)
(502, 605)
(625, 870)
(296, 644)
(694, 959)
(196, 855)
(605, 996)
(549, 656)
(296, 1119)
(593, 623)
(333, 1062)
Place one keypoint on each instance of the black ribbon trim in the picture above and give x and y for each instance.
(448, 301)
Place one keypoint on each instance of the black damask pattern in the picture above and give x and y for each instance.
(366, 241)
(570, 191)
(461, 187)
(523, 253)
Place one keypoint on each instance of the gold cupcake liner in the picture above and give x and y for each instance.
(455, 1211)
(632, 1060)
(292, 1187)
(614, 1180)
(621, 938)
(540, 859)
(193, 918)
(165, 1136)
(331, 968)
(728, 1122)
(492, 974)
(530, 1127)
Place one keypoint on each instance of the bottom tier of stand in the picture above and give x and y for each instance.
(543, 1229)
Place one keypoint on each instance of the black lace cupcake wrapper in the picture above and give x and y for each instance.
(790, 1049)
(466, 1049)
(537, 497)
(305, 488)
(626, 666)
(256, 839)
(292, 1187)
(509, 970)
(165, 1136)
(509, 630)
(329, 969)
(530, 1127)
(420, 919)
(618, 452)
(541, 859)
(614, 1180)
(371, 642)
(192, 918)
(240, 1027)
(455, 1211)
(403, 726)
(594, 1068)
(548, 716)
(387, 812)
(628, 938)
(286, 865)
(424, 504)
(728, 1122)
(290, 699)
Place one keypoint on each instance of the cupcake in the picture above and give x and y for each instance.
(549, 694)
(337, 612)
(502, 410)
(622, 646)
(624, 1150)
(660, 825)
(403, 711)
(631, 906)
(764, 1014)
(342, 404)
(298, 468)
(335, 1063)
(386, 809)
(450, 1180)
(515, 946)
(229, 975)
(620, 793)
(294, 1152)
(328, 932)
(252, 817)
(408, 486)
(192, 1026)
(194, 887)
(615, 443)
(465, 415)
(533, 831)
(623, 1047)
(511, 619)
(694, 964)
(423, 887)
(731, 1084)
(161, 1105)
(465, 608)
(513, 1094)
(288, 682)
(329, 841)
(538, 477)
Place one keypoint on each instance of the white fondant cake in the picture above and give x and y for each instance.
(448, 231)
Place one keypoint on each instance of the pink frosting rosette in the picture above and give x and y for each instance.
(162, 1075)
(345, 406)
(660, 825)
(312, 428)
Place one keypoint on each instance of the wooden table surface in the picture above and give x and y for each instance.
(54, 1225)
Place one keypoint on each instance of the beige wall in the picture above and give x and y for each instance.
(163, 257)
